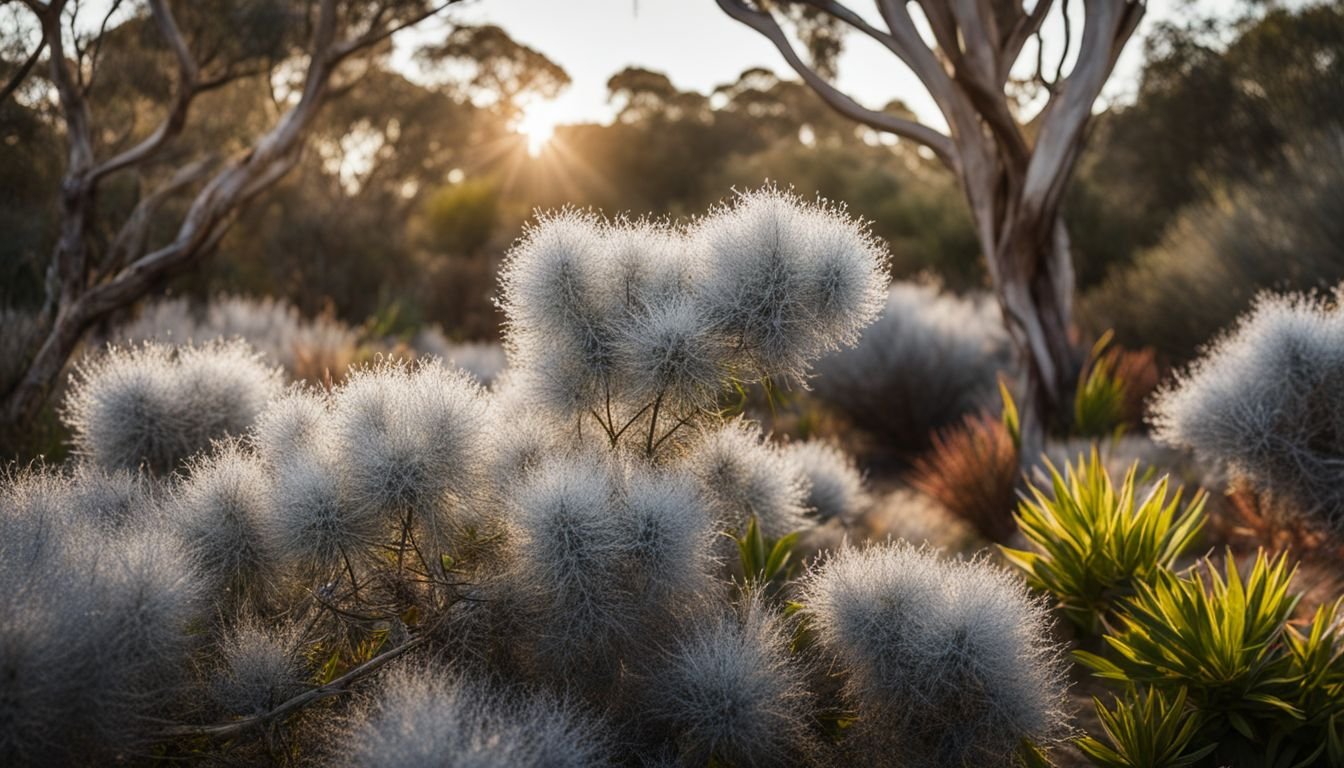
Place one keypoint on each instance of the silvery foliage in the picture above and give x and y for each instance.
(483, 359)
(928, 360)
(743, 475)
(947, 662)
(97, 598)
(733, 691)
(1266, 402)
(630, 320)
(271, 326)
(603, 554)
(155, 406)
(835, 486)
(427, 717)
(259, 668)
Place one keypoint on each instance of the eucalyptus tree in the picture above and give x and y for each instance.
(1013, 170)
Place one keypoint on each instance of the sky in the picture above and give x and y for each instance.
(700, 47)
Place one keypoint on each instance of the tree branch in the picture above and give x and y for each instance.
(23, 71)
(375, 35)
(765, 24)
(339, 685)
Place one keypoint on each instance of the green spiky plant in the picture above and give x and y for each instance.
(1094, 542)
(1213, 668)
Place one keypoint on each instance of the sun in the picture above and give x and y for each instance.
(537, 124)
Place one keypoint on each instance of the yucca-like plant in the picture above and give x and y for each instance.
(946, 663)
(1101, 400)
(155, 407)
(1223, 644)
(1094, 544)
(1147, 731)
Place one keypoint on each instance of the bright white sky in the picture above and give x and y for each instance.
(699, 47)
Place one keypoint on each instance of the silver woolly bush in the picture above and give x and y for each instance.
(947, 662)
(423, 717)
(929, 359)
(297, 425)
(259, 668)
(94, 643)
(742, 475)
(788, 280)
(835, 486)
(223, 512)
(155, 407)
(1266, 401)
(602, 555)
(410, 437)
(732, 692)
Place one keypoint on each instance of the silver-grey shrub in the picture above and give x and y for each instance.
(426, 718)
(742, 475)
(928, 360)
(835, 487)
(155, 407)
(947, 663)
(733, 692)
(259, 668)
(94, 639)
(1266, 402)
(223, 511)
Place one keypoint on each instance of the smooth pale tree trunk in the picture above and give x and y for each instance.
(1013, 174)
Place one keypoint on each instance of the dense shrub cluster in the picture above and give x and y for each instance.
(930, 359)
(305, 348)
(553, 557)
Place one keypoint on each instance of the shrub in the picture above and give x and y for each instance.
(482, 359)
(1280, 231)
(306, 349)
(1265, 403)
(733, 692)
(1223, 650)
(94, 644)
(835, 488)
(259, 668)
(156, 407)
(1095, 545)
(743, 477)
(972, 470)
(929, 360)
(945, 662)
(431, 717)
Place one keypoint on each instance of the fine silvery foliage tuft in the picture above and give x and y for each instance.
(569, 564)
(312, 526)
(223, 514)
(259, 669)
(426, 717)
(743, 476)
(671, 538)
(410, 435)
(293, 426)
(835, 487)
(788, 280)
(732, 692)
(1267, 402)
(551, 289)
(948, 662)
(670, 353)
(94, 639)
(156, 406)
(929, 359)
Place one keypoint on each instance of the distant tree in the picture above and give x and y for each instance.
(99, 266)
(1013, 173)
